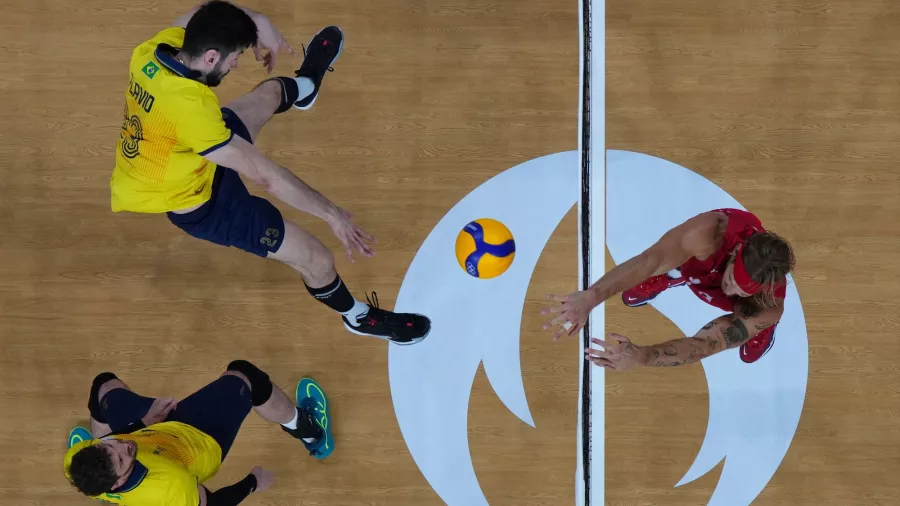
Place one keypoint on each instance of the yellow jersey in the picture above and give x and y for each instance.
(171, 120)
(172, 459)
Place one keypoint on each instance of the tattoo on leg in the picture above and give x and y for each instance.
(736, 333)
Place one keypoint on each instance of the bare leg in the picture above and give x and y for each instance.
(278, 408)
(306, 254)
(257, 107)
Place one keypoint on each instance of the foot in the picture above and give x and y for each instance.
(322, 52)
(79, 434)
(649, 289)
(755, 348)
(312, 402)
(398, 328)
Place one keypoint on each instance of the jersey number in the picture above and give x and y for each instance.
(271, 232)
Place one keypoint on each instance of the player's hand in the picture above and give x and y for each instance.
(351, 236)
(619, 353)
(264, 479)
(159, 410)
(269, 42)
(571, 312)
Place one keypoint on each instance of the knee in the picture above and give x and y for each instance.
(102, 384)
(316, 265)
(260, 384)
(322, 263)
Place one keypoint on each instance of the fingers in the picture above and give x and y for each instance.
(595, 353)
(287, 47)
(169, 404)
(601, 342)
(553, 310)
(619, 338)
(576, 329)
(362, 247)
(556, 321)
(365, 235)
(601, 362)
(349, 252)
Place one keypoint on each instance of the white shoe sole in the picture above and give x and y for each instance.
(341, 48)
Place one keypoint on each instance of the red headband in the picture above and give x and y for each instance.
(741, 277)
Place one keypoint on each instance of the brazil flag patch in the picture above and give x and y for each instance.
(150, 69)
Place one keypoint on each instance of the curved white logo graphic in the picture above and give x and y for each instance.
(473, 320)
(754, 409)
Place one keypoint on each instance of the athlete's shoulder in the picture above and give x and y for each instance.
(698, 234)
(173, 36)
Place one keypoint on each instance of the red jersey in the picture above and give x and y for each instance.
(704, 277)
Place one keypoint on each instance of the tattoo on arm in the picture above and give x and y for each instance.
(671, 351)
(736, 333)
(749, 310)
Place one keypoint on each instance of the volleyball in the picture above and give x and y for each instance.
(485, 248)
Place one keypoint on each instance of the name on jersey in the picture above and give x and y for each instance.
(143, 97)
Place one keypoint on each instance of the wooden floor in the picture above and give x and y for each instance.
(790, 106)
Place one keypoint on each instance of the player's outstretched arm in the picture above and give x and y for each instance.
(726, 332)
(693, 237)
(251, 163)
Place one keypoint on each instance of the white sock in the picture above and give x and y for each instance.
(306, 87)
(358, 309)
(293, 423)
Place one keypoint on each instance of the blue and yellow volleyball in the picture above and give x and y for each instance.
(485, 248)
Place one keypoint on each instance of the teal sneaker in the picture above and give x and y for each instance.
(79, 434)
(311, 399)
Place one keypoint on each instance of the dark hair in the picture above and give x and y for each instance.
(768, 259)
(92, 471)
(221, 26)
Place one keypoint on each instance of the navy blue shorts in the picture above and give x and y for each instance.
(232, 216)
(218, 409)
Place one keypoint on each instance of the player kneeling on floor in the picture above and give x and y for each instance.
(159, 452)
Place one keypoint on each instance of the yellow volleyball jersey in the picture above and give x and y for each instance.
(170, 121)
(172, 459)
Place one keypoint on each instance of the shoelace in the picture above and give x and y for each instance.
(312, 421)
(329, 69)
(652, 284)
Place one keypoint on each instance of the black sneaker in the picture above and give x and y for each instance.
(308, 419)
(398, 328)
(322, 52)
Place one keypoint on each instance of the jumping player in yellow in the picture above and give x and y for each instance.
(158, 452)
(180, 154)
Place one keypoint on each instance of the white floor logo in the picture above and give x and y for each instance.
(754, 409)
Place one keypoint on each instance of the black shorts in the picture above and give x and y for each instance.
(218, 409)
(232, 216)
